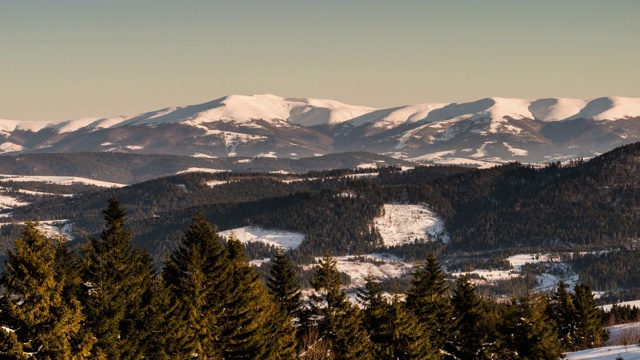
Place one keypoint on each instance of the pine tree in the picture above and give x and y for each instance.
(428, 299)
(118, 276)
(36, 315)
(468, 337)
(561, 309)
(338, 322)
(282, 284)
(590, 331)
(196, 275)
(394, 332)
(254, 326)
(528, 331)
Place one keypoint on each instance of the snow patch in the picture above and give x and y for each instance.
(629, 352)
(198, 169)
(382, 266)
(515, 151)
(278, 238)
(60, 180)
(402, 224)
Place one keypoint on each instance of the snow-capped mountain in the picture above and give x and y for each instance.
(485, 131)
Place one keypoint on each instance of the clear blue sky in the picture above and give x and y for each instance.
(66, 59)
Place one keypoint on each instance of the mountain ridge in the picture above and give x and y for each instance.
(482, 132)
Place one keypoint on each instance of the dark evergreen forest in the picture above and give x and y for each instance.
(106, 301)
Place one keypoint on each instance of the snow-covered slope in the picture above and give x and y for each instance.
(403, 223)
(505, 129)
(277, 238)
(311, 112)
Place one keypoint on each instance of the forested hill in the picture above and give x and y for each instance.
(515, 205)
(133, 168)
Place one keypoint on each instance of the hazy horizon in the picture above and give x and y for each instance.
(69, 59)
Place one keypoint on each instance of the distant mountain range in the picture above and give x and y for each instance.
(483, 132)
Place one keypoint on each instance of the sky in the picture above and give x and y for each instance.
(66, 59)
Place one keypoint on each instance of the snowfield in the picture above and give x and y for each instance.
(403, 224)
(382, 266)
(278, 238)
(60, 180)
(630, 352)
(635, 303)
(197, 169)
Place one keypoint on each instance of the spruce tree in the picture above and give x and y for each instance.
(197, 276)
(36, 316)
(428, 299)
(590, 331)
(338, 322)
(528, 331)
(282, 284)
(254, 325)
(468, 337)
(561, 309)
(394, 332)
(118, 276)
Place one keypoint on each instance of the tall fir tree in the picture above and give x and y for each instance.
(118, 275)
(467, 337)
(528, 332)
(428, 299)
(254, 326)
(338, 322)
(590, 331)
(196, 275)
(561, 309)
(39, 317)
(282, 284)
(394, 332)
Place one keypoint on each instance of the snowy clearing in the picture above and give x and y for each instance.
(403, 224)
(197, 169)
(8, 202)
(278, 238)
(60, 180)
(630, 352)
(382, 266)
(520, 259)
(618, 334)
(608, 307)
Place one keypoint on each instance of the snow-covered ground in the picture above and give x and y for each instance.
(53, 228)
(197, 169)
(8, 202)
(383, 266)
(630, 352)
(278, 238)
(61, 180)
(635, 303)
(403, 224)
(520, 259)
(546, 281)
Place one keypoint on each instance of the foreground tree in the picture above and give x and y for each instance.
(282, 284)
(222, 308)
(528, 332)
(338, 322)
(428, 299)
(394, 332)
(118, 275)
(37, 318)
(468, 337)
(561, 309)
(589, 323)
(195, 275)
(255, 327)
